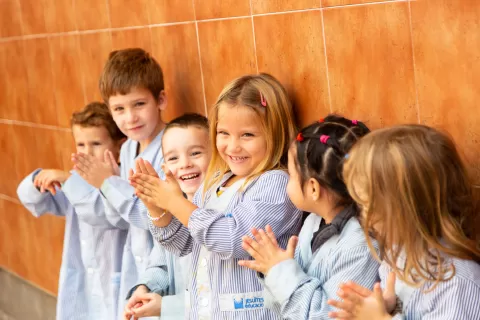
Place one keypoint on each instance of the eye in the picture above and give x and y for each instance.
(80, 145)
(139, 104)
(222, 133)
(118, 109)
(196, 153)
(172, 159)
(97, 143)
(248, 135)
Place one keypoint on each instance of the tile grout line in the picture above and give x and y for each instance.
(326, 59)
(81, 32)
(417, 103)
(34, 125)
(200, 59)
(254, 38)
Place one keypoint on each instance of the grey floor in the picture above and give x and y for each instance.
(19, 300)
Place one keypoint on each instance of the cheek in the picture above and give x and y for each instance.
(221, 144)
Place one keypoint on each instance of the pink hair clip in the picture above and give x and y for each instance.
(262, 100)
(300, 137)
(321, 120)
(324, 138)
(355, 122)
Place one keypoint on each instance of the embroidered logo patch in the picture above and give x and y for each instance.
(255, 302)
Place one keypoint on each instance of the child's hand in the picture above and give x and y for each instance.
(265, 250)
(134, 302)
(48, 179)
(108, 158)
(361, 303)
(93, 170)
(153, 190)
(151, 307)
(143, 166)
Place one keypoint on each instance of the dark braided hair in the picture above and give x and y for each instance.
(321, 151)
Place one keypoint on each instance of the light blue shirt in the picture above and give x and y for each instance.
(121, 204)
(455, 299)
(299, 288)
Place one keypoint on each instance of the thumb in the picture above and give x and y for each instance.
(377, 293)
(130, 173)
(390, 286)
(292, 245)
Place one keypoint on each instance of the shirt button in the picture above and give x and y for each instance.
(90, 270)
(138, 258)
(83, 242)
(204, 262)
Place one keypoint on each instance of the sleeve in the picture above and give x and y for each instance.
(300, 296)
(452, 300)
(175, 237)
(39, 203)
(157, 276)
(121, 203)
(88, 203)
(265, 202)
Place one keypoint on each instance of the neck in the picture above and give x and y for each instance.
(190, 196)
(145, 143)
(327, 212)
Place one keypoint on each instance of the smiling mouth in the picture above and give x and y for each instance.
(190, 176)
(238, 159)
(136, 128)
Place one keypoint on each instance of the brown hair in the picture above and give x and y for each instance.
(96, 114)
(188, 120)
(130, 68)
(253, 91)
(411, 180)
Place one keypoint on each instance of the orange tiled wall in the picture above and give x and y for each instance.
(385, 62)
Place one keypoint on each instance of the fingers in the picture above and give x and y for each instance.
(362, 291)
(378, 294)
(345, 307)
(340, 315)
(251, 246)
(150, 169)
(292, 245)
(141, 166)
(250, 264)
(271, 235)
(168, 174)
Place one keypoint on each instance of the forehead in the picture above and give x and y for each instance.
(81, 133)
(235, 116)
(180, 138)
(136, 93)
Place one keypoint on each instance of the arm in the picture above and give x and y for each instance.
(121, 203)
(175, 237)
(88, 203)
(301, 296)
(265, 202)
(39, 203)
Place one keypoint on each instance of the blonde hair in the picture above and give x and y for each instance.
(276, 117)
(410, 180)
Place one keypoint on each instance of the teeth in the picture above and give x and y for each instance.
(190, 176)
(238, 158)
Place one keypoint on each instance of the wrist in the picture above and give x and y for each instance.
(175, 202)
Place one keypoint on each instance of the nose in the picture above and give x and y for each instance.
(233, 145)
(185, 162)
(131, 116)
(88, 150)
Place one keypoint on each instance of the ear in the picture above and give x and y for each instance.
(162, 100)
(314, 190)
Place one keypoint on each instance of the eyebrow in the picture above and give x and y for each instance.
(199, 146)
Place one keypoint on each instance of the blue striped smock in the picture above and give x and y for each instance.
(236, 291)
